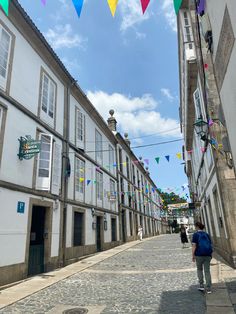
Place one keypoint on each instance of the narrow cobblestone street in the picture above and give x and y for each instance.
(155, 276)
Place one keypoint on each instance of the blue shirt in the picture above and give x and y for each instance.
(195, 240)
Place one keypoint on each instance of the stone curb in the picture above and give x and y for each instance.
(32, 285)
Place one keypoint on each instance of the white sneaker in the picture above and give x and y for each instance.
(208, 291)
(201, 288)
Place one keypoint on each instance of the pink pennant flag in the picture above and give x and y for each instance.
(144, 4)
(43, 2)
(210, 122)
(147, 161)
(203, 149)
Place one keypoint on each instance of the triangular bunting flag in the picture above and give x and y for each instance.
(112, 5)
(81, 179)
(146, 161)
(43, 2)
(5, 5)
(78, 6)
(157, 159)
(88, 181)
(167, 158)
(179, 155)
(177, 5)
(144, 4)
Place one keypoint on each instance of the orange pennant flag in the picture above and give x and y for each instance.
(112, 5)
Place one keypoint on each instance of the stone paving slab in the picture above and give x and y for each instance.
(219, 297)
(219, 310)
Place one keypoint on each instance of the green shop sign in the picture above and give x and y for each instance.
(28, 147)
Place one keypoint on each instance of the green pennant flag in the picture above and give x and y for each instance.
(177, 5)
(4, 4)
(157, 159)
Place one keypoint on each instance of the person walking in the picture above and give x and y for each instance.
(202, 254)
(183, 235)
(140, 232)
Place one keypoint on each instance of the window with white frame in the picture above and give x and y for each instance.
(48, 99)
(98, 147)
(56, 168)
(187, 36)
(80, 129)
(5, 47)
(197, 103)
(43, 180)
(111, 158)
(1, 114)
(99, 185)
(79, 176)
(112, 190)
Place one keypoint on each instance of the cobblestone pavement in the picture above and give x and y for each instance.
(155, 276)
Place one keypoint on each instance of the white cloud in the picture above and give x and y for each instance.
(71, 65)
(166, 92)
(132, 15)
(62, 37)
(137, 116)
(169, 13)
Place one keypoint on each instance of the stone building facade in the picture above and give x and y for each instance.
(206, 58)
(62, 202)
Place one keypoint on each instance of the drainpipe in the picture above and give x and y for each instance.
(65, 175)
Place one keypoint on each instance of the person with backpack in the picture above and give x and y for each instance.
(202, 254)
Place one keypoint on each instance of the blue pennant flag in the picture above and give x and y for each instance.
(78, 6)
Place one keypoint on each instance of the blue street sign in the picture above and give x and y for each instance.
(21, 207)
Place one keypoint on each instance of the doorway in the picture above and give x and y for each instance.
(123, 225)
(99, 239)
(37, 235)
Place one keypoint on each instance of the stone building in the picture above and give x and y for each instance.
(206, 35)
(139, 201)
(58, 184)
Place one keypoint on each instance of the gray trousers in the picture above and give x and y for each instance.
(204, 262)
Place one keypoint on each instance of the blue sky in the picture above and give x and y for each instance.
(128, 63)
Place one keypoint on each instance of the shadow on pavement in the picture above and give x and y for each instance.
(183, 302)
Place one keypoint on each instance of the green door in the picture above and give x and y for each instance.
(36, 249)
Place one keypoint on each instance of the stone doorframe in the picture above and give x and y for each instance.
(48, 226)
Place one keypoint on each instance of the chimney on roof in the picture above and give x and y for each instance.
(111, 121)
(127, 139)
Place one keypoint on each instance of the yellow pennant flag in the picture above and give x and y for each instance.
(112, 4)
(179, 155)
(81, 179)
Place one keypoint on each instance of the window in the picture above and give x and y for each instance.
(112, 190)
(113, 229)
(111, 158)
(80, 129)
(197, 103)
(79, 176)
(78, 228)
(98, 147)
(44, 163)
(127, 168)
(131, 223)
(187, 28)
(48, 98)
(56, 168)
(99, 185)
(5, 45)
(120, 160)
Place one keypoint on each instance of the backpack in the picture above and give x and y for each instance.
(204, 246)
